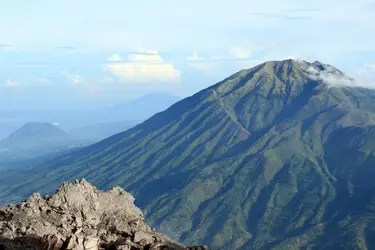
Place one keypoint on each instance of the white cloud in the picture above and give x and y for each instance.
(81, 83)
(333, 77)
(143, 66)
(11, 83)
(291, 58)
(74, 79)
(239, 52)
(365, 76)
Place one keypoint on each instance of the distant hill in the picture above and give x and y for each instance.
(99, 131)
(36, 139)
(36, 132)
(280, 156)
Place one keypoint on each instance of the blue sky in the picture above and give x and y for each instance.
(81, 54)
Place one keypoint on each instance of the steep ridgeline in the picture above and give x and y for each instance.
(279, 156)
(80, 217)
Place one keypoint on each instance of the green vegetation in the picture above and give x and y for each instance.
(269, 158)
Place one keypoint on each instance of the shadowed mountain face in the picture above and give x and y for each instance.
(277, 156)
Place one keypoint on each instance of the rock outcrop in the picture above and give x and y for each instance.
(79, 216)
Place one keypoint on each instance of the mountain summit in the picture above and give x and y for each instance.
(279, 156)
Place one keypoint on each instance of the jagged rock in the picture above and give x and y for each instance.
(143, 238)
(80, 217)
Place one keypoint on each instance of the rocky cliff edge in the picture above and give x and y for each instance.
(80, 217)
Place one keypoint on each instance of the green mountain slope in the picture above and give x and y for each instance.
(270, 158)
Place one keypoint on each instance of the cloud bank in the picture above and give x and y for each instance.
(335, 78)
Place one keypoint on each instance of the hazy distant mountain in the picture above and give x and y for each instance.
(272, 157)
(37, 132)
(143, 107)
(99, 131)
(36, 139)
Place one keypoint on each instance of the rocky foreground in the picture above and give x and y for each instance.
(79, 216)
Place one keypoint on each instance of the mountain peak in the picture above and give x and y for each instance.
(278, 76)
(295, 65)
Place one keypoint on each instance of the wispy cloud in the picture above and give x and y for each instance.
(239, 52)
(66, 47)
(11, 83)
(80, 83)
(195, 57)
(236, 59)
(74, 79)
(208, 64)
(291, 57)
(364, 78)
(288, 14)
(143, 66)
